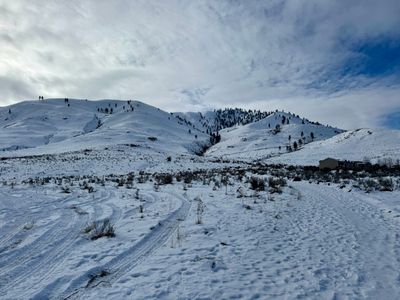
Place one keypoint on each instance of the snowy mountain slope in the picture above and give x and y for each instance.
(357, 145)
(262, 139)
(197, 119)
(216, 120)
(56, 125)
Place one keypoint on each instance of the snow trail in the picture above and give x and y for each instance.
(119, 265)
(357, 247)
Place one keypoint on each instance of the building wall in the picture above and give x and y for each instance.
(328, 164)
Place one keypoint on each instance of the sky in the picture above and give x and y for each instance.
(336, 62)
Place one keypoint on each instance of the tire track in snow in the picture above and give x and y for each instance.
(36, 246)
(120, 264)
(53, 244)
(10, 235)
(21, 217)
(41, 269)
(46, 271)
(41, 213)
(26, 260)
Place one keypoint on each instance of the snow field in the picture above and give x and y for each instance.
(311, 241)
(53, 248)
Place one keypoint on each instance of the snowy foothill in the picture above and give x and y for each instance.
(270, 136)
(374, 145)
(59, 125)
(139, 203)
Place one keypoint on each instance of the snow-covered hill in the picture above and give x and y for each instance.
(270, 136)
(54, 126)
(214, 121)
(356, 145)
(58, 125)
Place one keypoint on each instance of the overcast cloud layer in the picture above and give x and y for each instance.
(333, 61)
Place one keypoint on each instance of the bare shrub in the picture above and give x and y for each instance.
(368, 184)
(100, 229)
(276, 184)
(386, 184)
(66, 189)
(257, 184)
(188, 178)
(162, 179)
(200, 210)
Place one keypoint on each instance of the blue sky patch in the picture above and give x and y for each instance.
(374, 58)
(392, 120)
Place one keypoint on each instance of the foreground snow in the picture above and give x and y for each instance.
(312, 241)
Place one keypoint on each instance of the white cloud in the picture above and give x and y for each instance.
(197, 54)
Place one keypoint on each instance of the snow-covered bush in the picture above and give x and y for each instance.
(164, 178)
(257, 184)
(100, 229)
(200, 210)
(386, 184)
(66, 189)
(276, 184)
(368, 184)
